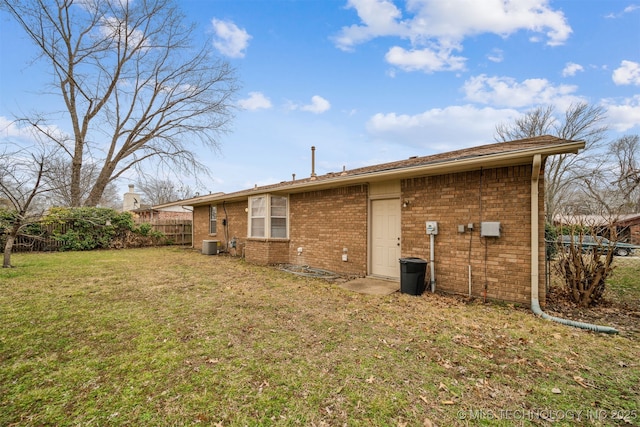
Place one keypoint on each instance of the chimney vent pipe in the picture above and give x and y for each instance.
(313, 162)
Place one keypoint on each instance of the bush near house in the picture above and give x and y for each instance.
(98, 228)
(584, 268)
(83, 229)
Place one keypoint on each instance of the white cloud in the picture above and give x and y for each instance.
(425, 60)
(380, 18)
(23, 132)
(230, 40)
(9, 129)
(627, 74)
(440, 26)
(505, 91)
(496, 55)
(624, 116)
(255, 101)
(318, 105)
(627, 9)
(570, 69)
(441, 129)
(631, 8)
(456, 19)
(114, 28)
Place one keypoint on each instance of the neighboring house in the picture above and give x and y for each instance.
(627, 226)
(131, 202)
(156, 213)
(487, 201)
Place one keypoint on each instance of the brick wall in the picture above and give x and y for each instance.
(634, 234)
(237, 225)
(501, 265)
(324, 222)
(267, 251)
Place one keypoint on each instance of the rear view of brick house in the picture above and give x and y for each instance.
(487, 203)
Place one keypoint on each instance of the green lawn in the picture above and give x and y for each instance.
(159, 337)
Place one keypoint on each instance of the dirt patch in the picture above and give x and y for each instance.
(610, 311)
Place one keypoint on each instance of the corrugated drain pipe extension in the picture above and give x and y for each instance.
(535, 303)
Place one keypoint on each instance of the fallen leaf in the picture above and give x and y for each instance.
(370, 380)
(580, 381)
(556, 390)
(427, 423)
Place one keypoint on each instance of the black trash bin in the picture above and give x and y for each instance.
(412, 272)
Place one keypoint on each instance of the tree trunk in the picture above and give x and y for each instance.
(97, 190)
(8, 247)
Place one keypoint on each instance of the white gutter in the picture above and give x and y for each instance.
(535, 271)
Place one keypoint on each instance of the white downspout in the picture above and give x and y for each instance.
(535, 273)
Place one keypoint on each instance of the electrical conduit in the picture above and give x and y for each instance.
(432, 257)
(535, 229)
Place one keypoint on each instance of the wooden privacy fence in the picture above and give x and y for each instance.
(178, 231)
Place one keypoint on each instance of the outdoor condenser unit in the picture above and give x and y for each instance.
(210, 247)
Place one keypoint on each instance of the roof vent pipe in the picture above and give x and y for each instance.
(313, 162)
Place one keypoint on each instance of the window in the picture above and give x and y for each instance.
(268, 217)
(279, 217)
(258, 216)
(213, 219)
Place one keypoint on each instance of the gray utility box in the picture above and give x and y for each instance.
(490, 229)
(210, 247)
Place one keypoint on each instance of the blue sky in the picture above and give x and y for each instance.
(370, 81)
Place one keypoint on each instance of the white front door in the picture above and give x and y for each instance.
(385, 238)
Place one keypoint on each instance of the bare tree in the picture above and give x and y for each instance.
(625, 152)
(134, 88)
(158, 191)
(580, 122)
(615, 182)
(22, 182)
(59, 176)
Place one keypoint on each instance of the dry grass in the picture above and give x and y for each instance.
(166, 336)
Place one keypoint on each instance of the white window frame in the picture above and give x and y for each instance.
(265, 213)
(213, 219)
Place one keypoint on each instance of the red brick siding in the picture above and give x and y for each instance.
(267, 251)
(634, 234)
(236, 217)
(322, 223)
(459, 199)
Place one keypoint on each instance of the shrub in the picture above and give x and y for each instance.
(81, 229)
(584, 270)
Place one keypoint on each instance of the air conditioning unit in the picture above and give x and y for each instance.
(210, 247)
